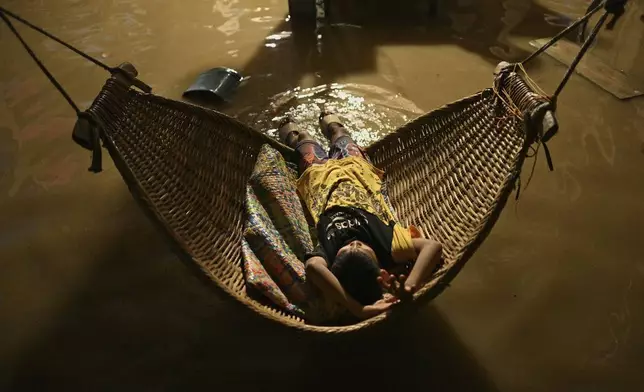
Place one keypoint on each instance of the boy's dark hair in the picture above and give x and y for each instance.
(358, 275)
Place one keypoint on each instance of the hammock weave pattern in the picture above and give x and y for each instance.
(449, 172)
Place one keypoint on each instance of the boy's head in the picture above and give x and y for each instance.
(357, 270)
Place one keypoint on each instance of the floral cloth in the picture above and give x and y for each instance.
(276, 234)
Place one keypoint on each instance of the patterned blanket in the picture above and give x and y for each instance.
(276, 238)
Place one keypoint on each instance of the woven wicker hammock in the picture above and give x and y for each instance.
(449, 172)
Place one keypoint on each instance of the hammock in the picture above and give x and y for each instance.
(449, 171)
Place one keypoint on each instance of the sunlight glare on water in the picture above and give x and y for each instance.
(369, 112)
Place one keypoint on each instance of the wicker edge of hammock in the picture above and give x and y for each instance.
(427, 293)
(436, 286)
(119, 92)
(176, 244)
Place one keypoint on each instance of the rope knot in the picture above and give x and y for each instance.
(87, 135)
(615, 6)
(617, 9)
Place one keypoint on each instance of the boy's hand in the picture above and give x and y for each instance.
(377, 307)
(396, 285)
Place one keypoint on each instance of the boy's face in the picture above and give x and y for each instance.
(358, 246)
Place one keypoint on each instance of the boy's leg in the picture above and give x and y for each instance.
(342, 145)
(308, 149)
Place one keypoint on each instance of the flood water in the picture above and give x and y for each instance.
(369, 111)
(91, 297)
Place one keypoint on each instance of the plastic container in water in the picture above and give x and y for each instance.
(218, 84)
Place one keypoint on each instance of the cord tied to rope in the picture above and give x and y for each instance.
(617, 8)
(86, 134)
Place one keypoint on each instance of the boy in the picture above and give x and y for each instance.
(359, 240)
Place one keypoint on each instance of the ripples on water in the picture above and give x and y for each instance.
(368, 111)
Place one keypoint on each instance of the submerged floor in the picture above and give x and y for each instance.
(91, 298)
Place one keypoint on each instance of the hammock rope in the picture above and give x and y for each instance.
(38, 62)
(87, 131)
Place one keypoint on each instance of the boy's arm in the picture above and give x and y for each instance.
(429, 255)
(318, 271)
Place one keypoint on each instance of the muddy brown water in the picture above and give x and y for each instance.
(91, 298)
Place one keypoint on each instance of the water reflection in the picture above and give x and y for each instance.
(279, 35)
(368, 111)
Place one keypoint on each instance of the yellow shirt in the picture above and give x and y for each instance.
(352, 182)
